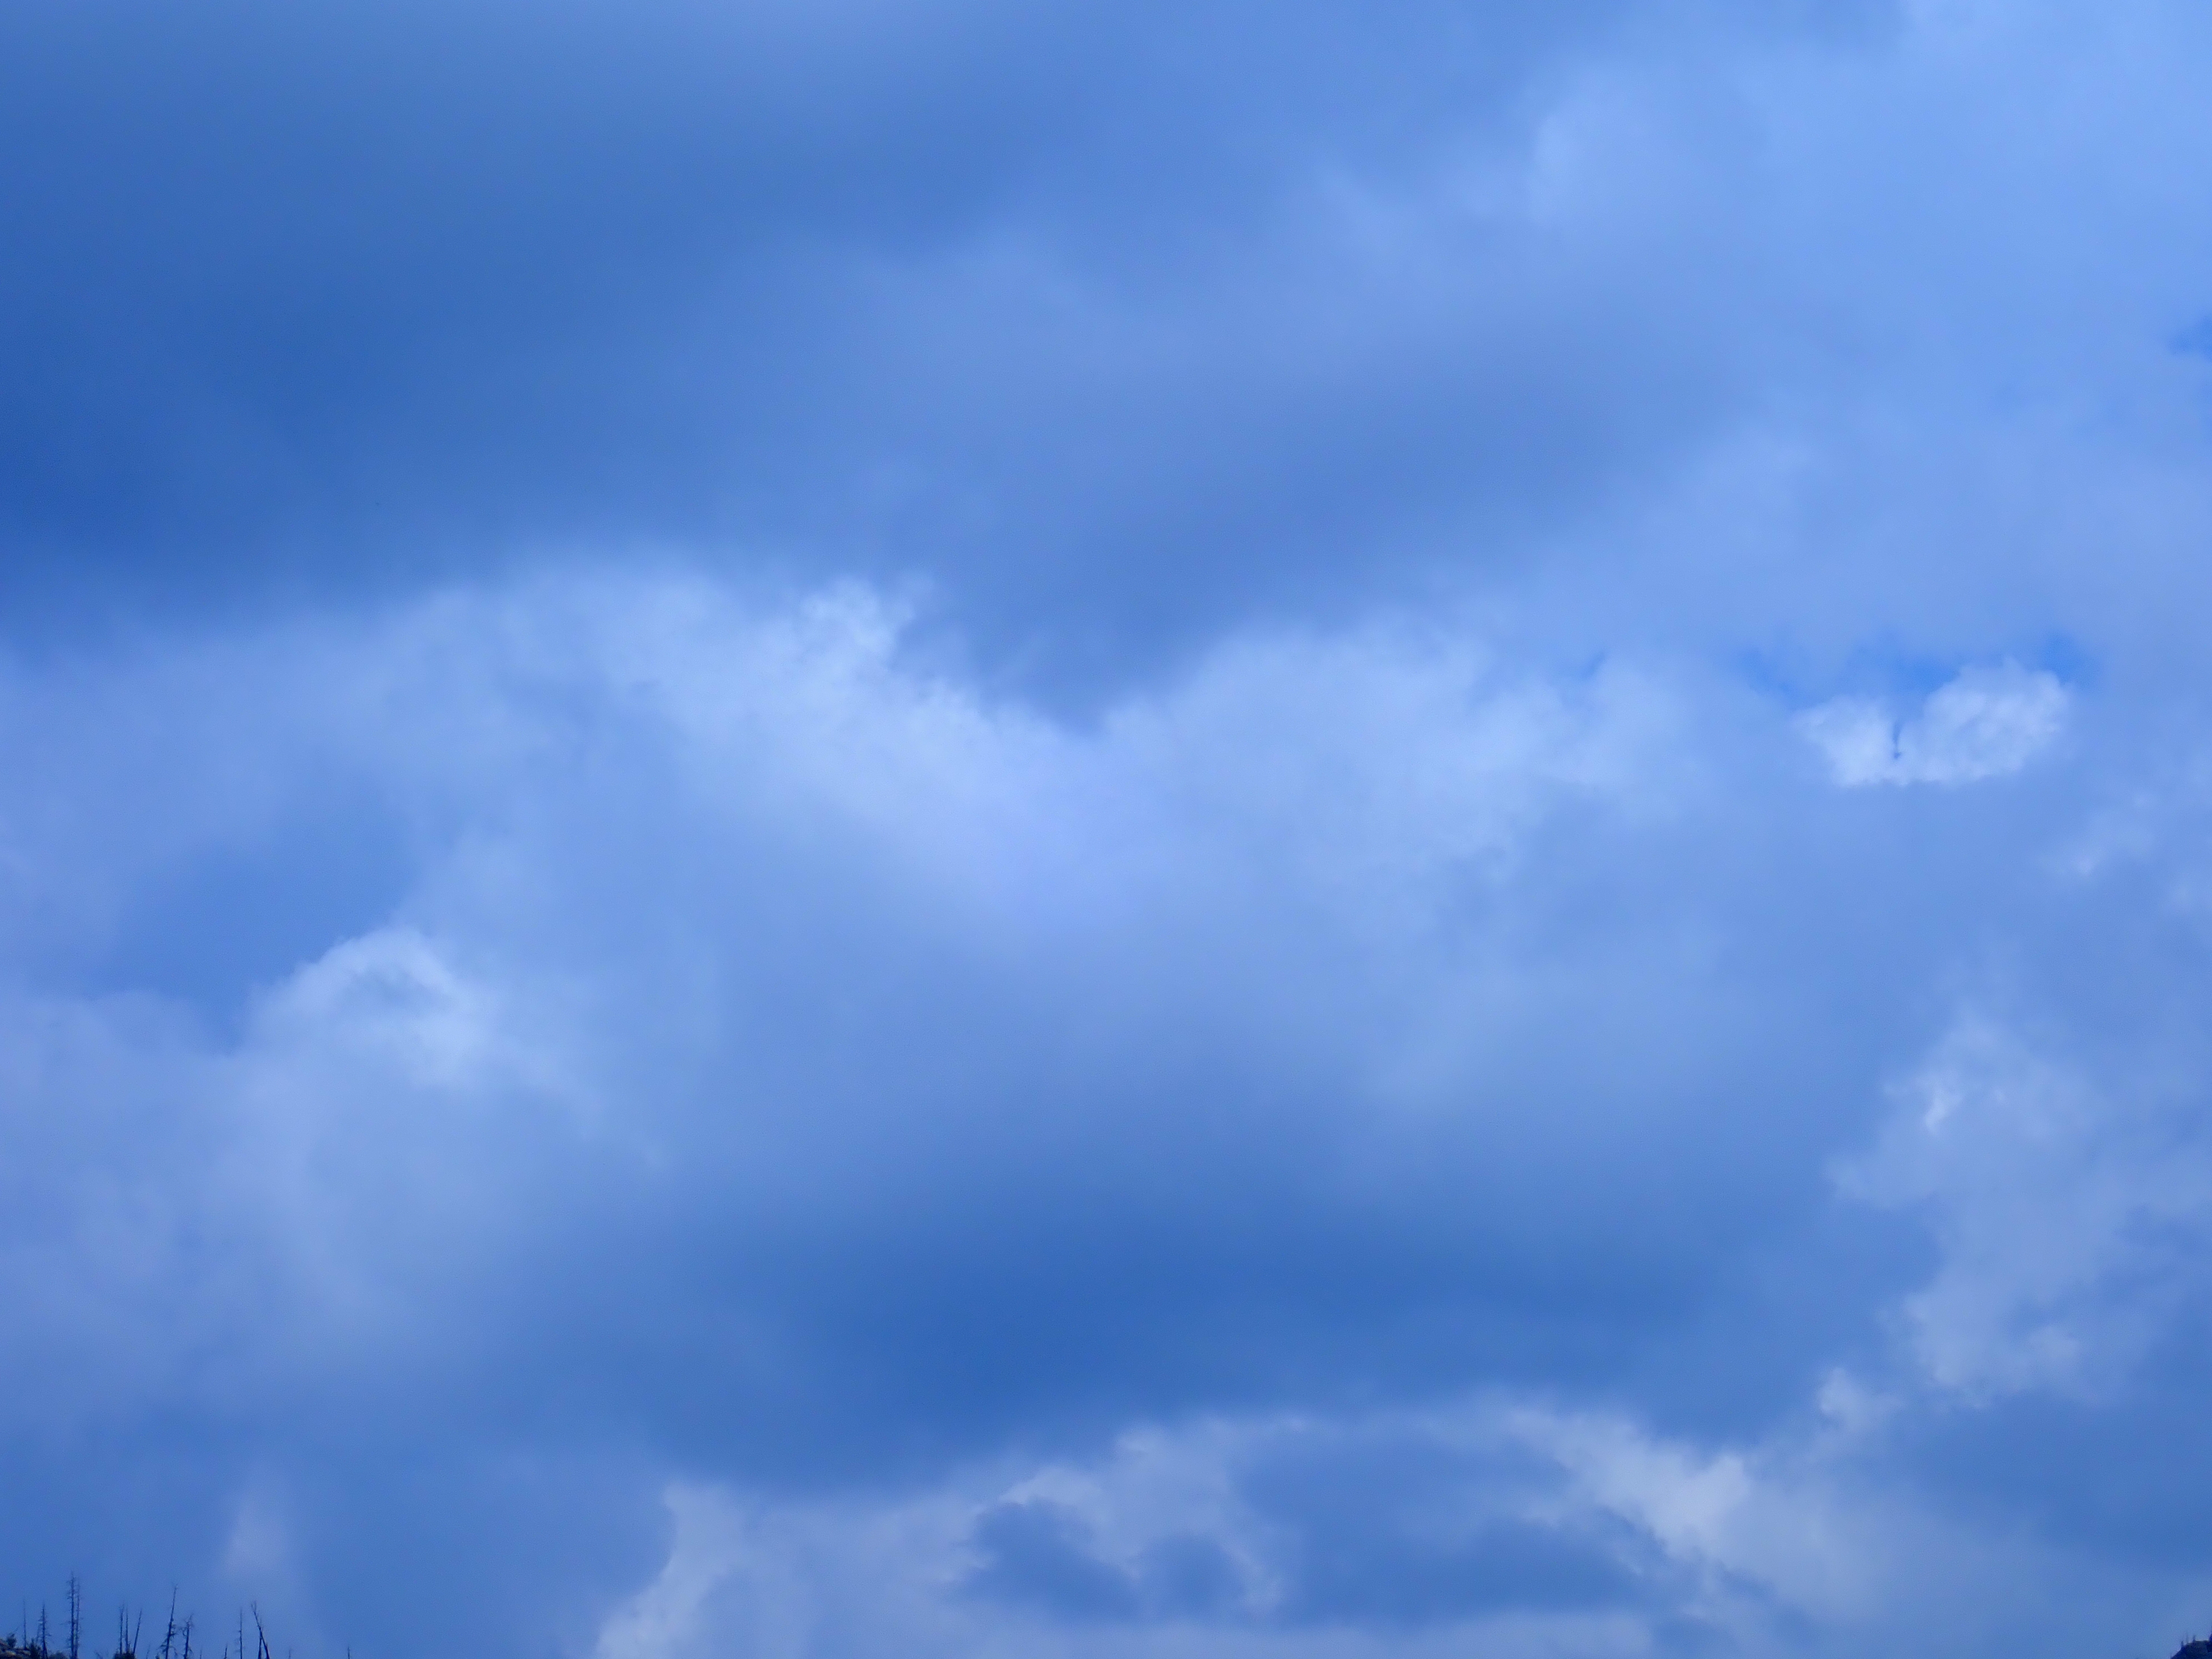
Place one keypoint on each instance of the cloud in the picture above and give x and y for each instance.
(936, 829)
(1482, 1521)
(1986, 723)
(2069, 1223)
(742, 966)
(455, 282)
(784, 1069)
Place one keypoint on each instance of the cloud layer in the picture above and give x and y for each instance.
(906, 829)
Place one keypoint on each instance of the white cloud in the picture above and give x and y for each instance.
(1767, 1549)
(634, 809)
(1986, 723)
(2070, 1221)
(710, 1546)
(740, 965)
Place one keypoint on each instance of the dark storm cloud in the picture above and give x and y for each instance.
(1045, 307)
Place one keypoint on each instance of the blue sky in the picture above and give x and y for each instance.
(1109, 832)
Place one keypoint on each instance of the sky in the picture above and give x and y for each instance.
(1109, 831)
